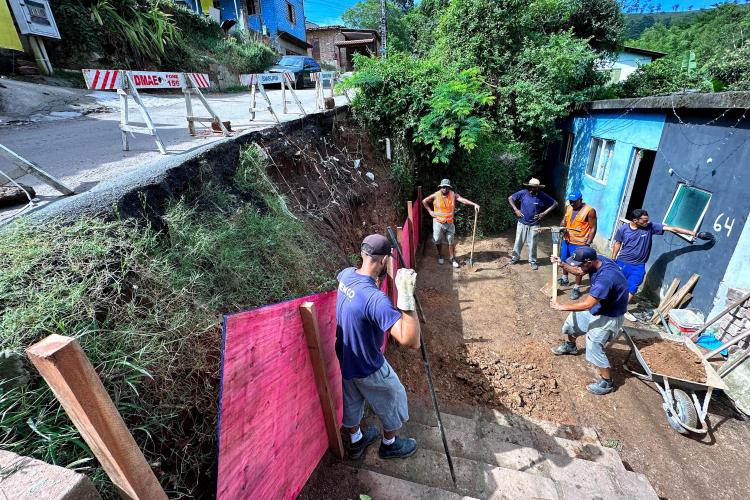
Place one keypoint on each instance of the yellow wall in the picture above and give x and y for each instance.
(8, 34)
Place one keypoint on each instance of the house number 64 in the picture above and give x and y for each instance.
(727, 225)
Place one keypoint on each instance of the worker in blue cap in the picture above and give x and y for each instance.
(578, 228)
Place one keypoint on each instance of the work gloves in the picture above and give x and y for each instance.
(406, 282)
(705, 236)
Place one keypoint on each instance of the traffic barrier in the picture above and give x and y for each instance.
(25, 167)
(320, 78)
(127, 83)
(257, 82)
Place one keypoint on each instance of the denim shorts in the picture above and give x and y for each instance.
(385, 394)
(634, 273)
(598, 330)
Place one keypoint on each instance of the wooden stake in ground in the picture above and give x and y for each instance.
(473, 240)
(76, 385)
(312, 334)
(555, 253)
(676, 299)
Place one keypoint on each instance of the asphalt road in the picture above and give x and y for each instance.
(86, 150)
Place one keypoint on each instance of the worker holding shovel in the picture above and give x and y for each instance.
(578, 228)
(363, 315)
(599, 316)
(442, 211)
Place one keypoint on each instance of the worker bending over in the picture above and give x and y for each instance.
(632, 248)
(442, 212)
(599, 316)
(534, 206)
(578, 229)
(363, 315)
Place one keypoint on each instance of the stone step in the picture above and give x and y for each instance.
(486, 446)
(382, 487)
(544, 437)
(481, 480)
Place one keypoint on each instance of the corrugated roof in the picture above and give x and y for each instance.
(346, 43)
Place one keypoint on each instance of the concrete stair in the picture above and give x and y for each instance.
(499, 456)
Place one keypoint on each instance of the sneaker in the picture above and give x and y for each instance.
(441, 260)
(630, 317)
(513, 261)
(369, 436)
(455, 264)
(534, 266)
(575, 294)
(401, 448)
(565, 348)
(601, 387)
(562, 281)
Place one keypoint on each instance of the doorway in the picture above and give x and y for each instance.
(634, 195)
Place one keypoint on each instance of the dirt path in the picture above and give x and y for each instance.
(489, 335)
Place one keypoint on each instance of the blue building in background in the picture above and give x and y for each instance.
(686, 159)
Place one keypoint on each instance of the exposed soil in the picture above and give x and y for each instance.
(673, 359)
(489, 335)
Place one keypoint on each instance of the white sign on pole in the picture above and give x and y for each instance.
(34, 17)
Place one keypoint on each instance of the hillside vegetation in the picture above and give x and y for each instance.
(636, 24)
(150, 35)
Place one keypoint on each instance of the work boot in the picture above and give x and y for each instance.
(441, 260)
(562, 281)
(601, 387)
(369, 436)
(454, 264)
(534, 266)
(513, 261)
(575, 294)
(565, 348)
(401, 448)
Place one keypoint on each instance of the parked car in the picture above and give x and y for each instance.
(301, 66)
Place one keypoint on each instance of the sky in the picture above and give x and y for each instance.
(329, 11)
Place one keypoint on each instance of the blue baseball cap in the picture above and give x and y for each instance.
(581, 256)
(575, 195)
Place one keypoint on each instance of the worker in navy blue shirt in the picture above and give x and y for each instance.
(530, 205)
(363, 315)
(632, 248)
(599, 316)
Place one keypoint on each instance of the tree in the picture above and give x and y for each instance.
(366, 15)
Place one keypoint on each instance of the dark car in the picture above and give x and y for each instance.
(301, 66)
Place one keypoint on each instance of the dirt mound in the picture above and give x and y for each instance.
(672, 359)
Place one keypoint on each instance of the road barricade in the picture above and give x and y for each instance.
(322, 78)
(257, 82)
(127, 83)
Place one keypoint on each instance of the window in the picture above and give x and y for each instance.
(316, 48)
(687, 209)
(600, 158)
(252, 7)
(566, 148)
(290, 14)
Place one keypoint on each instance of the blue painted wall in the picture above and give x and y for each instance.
(628, 130)
(687, 148)
(273, 14)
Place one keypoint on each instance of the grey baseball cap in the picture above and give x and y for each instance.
(376, 245)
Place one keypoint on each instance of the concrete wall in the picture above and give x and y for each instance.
(687, 149)
(629, 130)
(627, 63)
(327, 40)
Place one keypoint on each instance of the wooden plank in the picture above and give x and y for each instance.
(670, 291)
(69, 373)
(676, 298)
(312, 334)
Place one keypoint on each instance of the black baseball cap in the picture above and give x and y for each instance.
(581, 256)
(376, 245)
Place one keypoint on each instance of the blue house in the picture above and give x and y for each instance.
(283, 21)
(686, 159)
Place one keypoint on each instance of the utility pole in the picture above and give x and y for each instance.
(383, 30)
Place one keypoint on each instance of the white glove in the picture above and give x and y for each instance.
(406, 281)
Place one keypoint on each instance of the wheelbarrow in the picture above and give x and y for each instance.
(686, 413)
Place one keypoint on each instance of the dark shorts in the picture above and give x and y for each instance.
(634, 273)
(567, 249)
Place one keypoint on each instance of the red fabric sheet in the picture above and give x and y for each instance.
(271, 429)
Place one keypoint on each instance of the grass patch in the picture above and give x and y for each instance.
(146, 308)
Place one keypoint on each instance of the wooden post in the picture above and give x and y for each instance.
(312, 333)
(412, 245)
(76, 385)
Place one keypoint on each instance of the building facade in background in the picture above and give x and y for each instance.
(682, 157)
(335, 46)
(626, 61)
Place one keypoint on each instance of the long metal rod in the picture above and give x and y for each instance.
(729, 343)
(713, 320)
(426, 361)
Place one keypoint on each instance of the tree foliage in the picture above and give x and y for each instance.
(366, 15)
(664, 76)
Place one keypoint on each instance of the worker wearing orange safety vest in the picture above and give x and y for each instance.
(442, 208)
(579, 228)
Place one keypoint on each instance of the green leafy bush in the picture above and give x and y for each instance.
(664, 76)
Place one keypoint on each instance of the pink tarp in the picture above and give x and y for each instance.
(271, 428)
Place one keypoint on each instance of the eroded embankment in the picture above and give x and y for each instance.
(141, 269)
